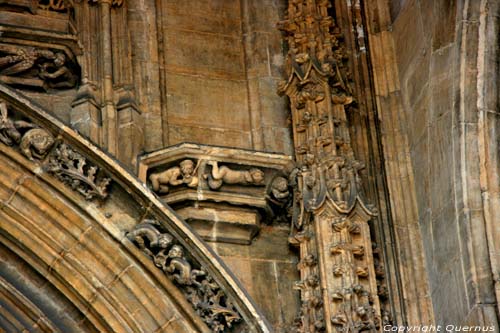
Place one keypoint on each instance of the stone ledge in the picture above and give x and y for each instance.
(223, 193)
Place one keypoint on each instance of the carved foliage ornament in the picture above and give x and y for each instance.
(205, 295)
(64, 162)
(72, 169)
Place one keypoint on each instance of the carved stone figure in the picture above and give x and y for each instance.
(180, 268)
(20, 59)
(175, 176)
(362, 272)
(56, 74)
(199, 288)
(147, 231)
(54, 5)
(279, 190)
(224, 175)
(36, 143)
(36, 67)
(9, 133)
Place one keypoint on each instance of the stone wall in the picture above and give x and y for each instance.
(436, 45)
(268, 270)
(221, 62)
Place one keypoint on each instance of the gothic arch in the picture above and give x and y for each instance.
(78, 244)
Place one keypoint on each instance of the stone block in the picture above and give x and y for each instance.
(418, 120)
(444, 26)
(207, 54)
(442, 181)
(421, 172)
(222, 225)
(204, 102)
(214, 17)
(417, 80)
(288, 297)
(211, 136)
(445, 233)
(278, 139)
(273, 107)
(266, 282)
(409, 36)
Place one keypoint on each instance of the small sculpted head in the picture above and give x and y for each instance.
(164, 240)
(187, 167)
(60, 59)
(257, 176)
(280, 184)
(176, 252)
(41, 142)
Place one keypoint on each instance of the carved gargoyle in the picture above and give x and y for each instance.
(224, 175)
(279, 191)
(175, 176)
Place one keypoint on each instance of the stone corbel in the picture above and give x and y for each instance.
(225, 194)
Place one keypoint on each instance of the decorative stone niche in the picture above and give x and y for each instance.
(224, 194)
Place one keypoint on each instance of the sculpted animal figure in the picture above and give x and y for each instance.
(224, 175)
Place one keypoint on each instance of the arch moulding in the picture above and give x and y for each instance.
(89, 229)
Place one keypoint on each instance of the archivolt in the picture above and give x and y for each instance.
(80, 247)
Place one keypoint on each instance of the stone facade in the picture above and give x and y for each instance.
(248, 166)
